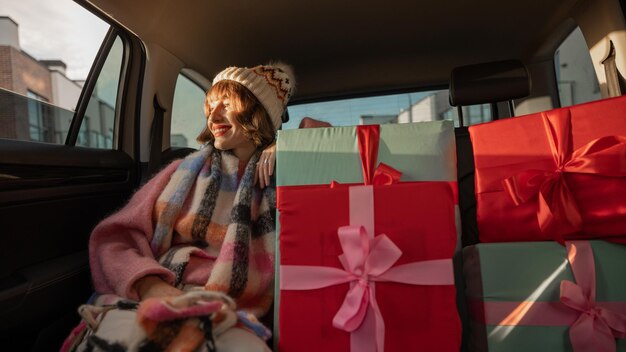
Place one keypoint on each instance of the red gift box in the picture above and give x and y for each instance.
(368, 268)
(418, 217)
(556, 175)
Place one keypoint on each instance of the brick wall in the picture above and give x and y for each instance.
(6, 68)
(7, 115)
(29, 74)
(20, 73)
(7, 100)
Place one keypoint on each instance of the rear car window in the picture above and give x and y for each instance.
(393, 108)
(575, 74)
(187, 115)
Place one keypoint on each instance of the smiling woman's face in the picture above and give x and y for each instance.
(222, 122)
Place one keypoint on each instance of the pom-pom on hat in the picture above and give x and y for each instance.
(272, 84)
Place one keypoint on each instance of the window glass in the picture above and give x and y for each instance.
(97, 127)
(187, 115)
(45, 56)
(575, 74)
(35, 117)
(475, 114)
(395, 108)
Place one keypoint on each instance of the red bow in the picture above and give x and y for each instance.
(368, 137)
(557, 212)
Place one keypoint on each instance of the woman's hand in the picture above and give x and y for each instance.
(153, 286)
(265, 166)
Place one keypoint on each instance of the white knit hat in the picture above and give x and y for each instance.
(272, 84)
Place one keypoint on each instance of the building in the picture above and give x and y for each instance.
(377, 119)
(37, 99)
(430, 108)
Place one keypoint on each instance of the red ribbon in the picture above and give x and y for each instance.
(596, 327)
(557, 212)
(368, 137)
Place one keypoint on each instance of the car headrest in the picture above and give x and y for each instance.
(489, 83)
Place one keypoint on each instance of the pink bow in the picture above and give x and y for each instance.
(596, 327)
(365, 261)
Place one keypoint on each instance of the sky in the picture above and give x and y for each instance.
(57, 30)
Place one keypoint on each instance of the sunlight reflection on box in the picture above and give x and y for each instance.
(507, 325)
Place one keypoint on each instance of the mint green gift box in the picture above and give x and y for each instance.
(422, 151)
(532, 272)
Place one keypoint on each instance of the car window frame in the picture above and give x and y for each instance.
(90, 83)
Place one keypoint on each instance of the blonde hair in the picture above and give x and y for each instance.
(250, 113)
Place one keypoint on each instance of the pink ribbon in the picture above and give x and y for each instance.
(596, 327)
(365, 260)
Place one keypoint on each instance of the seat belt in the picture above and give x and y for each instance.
(610, 70)
(156, 141)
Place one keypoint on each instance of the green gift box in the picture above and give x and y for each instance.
(423, 151)
(513, 292)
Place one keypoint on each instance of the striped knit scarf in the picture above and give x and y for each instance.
(244, 267)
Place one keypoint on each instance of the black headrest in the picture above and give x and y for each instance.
(489, 83)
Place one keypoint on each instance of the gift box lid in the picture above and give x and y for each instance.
(423, 151)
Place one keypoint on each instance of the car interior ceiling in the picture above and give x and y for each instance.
(438, 36)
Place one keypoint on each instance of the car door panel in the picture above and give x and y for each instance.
(51, 197)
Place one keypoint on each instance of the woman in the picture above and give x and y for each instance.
(200, 225)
